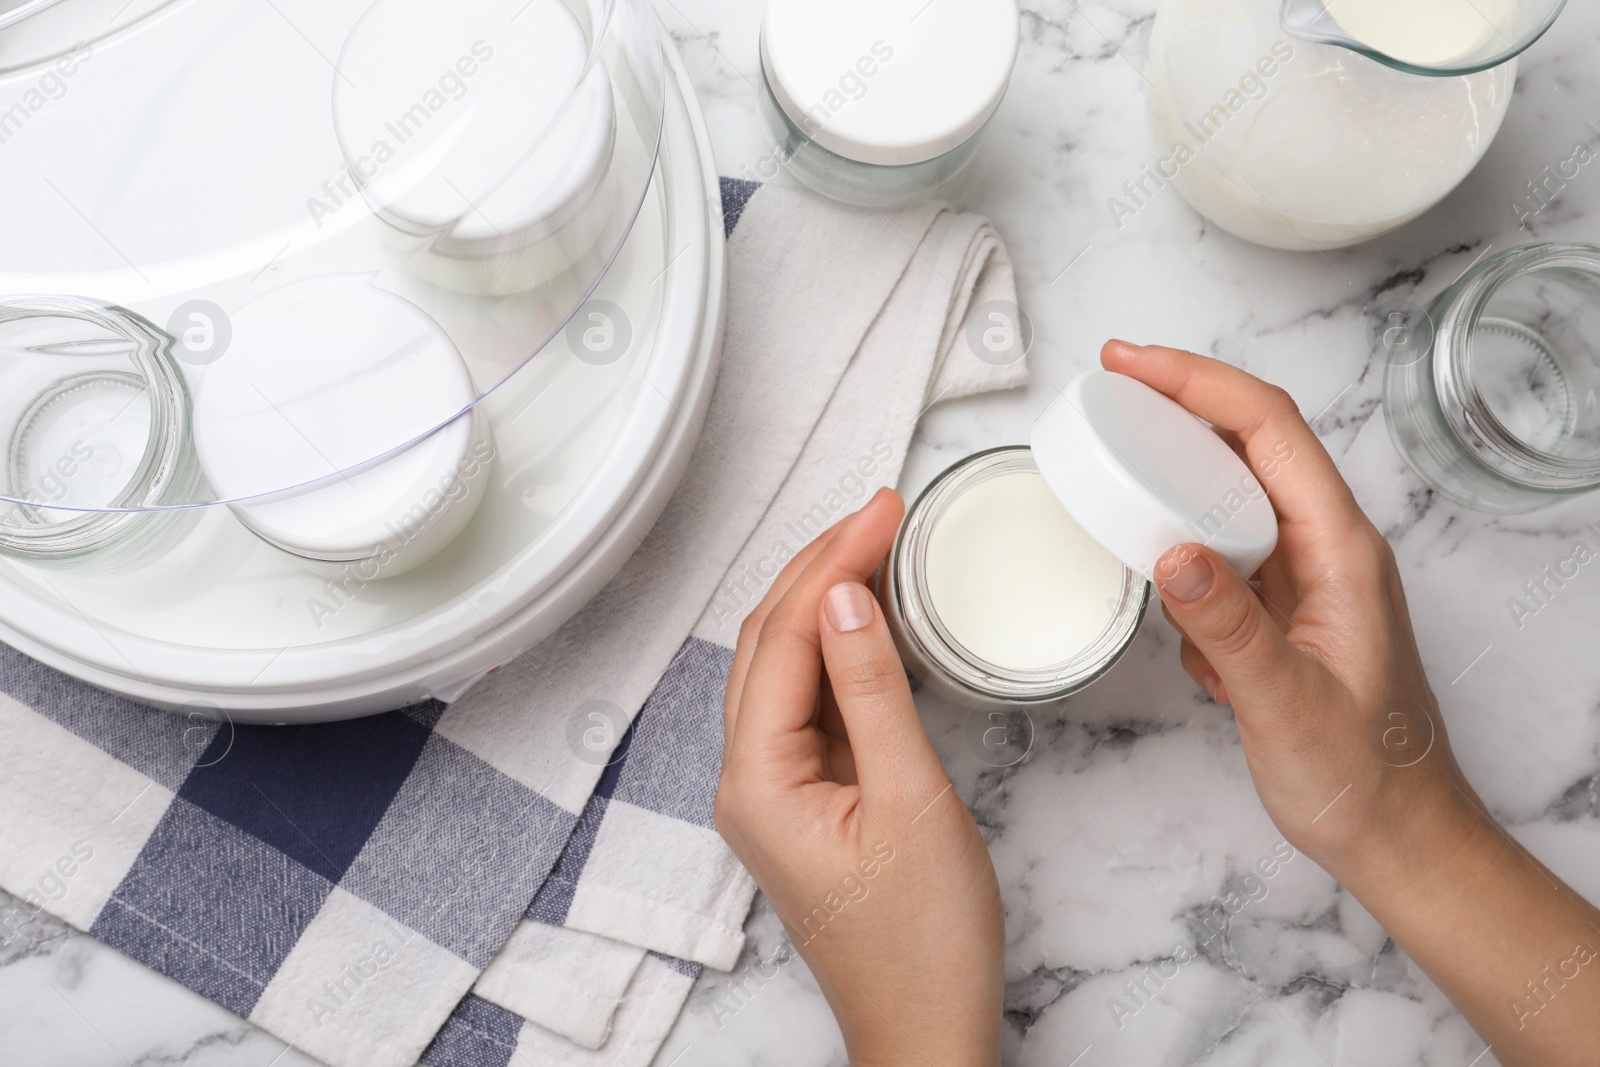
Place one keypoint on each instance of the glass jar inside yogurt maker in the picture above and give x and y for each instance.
(98, 435)
(1021, 574)
(301, 323)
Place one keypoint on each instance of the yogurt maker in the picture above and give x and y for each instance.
(346, 349)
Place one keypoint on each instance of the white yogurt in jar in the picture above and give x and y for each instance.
(1015, 580)
(997, 597)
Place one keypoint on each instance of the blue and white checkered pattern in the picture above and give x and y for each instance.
(282, 871)
(456, 884)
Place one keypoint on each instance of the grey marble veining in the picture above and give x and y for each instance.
(1127, 830)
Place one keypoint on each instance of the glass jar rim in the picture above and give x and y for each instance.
(926, 631)
(1458, 311)
(163, 465)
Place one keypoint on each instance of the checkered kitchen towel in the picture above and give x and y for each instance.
(362, 889)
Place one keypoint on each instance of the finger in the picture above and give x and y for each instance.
(750, 630)
(1231, 439)
(1229, 627)
(1276, 579)
(1284, 453)
(1280, 604)
(1199, 668)
(839, 763)
(894, 759)
(829, 720)
(782, 681)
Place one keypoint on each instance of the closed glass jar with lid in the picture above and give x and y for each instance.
(1021, 574)
(1494, 404)
(882, 104)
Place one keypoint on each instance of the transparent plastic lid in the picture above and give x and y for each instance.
(252, 249)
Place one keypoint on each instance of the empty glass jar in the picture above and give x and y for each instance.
(97, 424)
(1501, 411)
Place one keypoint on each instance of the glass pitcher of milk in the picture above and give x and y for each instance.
(1320, 123)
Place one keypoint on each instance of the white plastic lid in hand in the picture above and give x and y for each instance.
(326, 383)
(890, 82)
(1142, 475)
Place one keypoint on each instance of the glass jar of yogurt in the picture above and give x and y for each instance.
(982, 630)
(1021, 574)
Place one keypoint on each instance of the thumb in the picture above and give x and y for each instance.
(894, 759)
(1221, 615)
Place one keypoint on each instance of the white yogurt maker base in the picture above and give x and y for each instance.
(397, 652)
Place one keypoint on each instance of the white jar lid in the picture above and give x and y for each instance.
(480, 120)
(890, 82)
(552, 184)
(1142, 475)
(325, 376)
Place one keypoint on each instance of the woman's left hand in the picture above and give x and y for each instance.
(834, 799)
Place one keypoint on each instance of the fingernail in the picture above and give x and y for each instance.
(1209, 684)
(1220, 693)
(1184, 576)
(849, 607)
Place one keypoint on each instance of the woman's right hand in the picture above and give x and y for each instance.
(1343, 734)
(1319, 661)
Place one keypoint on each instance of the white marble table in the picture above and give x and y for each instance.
(1133, 818)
